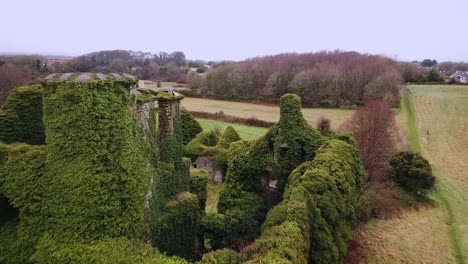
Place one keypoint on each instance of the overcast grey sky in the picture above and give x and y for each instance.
(235, 30)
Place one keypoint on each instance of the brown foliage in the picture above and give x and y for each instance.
(336, 77)
(374, 128)
(323, 125)
(12, 76)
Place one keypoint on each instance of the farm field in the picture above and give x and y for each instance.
(263, 112)
(245, 132)
(437, 126)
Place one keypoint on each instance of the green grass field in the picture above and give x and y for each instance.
(245, 132)
(264, 112)
(436, 119)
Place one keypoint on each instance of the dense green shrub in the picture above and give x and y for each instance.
(21, 184)
(221, 256)
(238, 221)
(115, 250)
(243, 171)
(199, 186)
(190, 127)
(197, 146)
(175, 231)
(21, 116)
(412, 172)
(229, 136)
(209, 144)
(283, 243)
(12, 250)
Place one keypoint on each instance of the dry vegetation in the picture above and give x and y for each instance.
(264, 112)
(429, 235)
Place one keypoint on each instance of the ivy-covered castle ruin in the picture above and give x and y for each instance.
(95, 170)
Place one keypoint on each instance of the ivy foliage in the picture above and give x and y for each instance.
(96, 172)
(175, 212)
(175, 231)
(209, 144)
(90, 181)
(190, 127)
(21, 178)
(21, 116)
(199, 186)
(245, 199)
(313, 222)
(221, 256)
(110, 250)
(292, 141)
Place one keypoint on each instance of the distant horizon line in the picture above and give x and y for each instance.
(61, 55)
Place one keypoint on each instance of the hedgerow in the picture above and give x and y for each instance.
(21, 116)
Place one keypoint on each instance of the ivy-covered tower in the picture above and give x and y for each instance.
(96, 172)
(175, 210)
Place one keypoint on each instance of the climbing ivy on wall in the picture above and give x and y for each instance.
(176, 213)
(208, 144)
(21, 116)
(285, 146)
(96, 171)
(313, 222)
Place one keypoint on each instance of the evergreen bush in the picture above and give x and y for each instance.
(412, 172)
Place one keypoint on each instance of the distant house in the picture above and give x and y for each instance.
(460, 77)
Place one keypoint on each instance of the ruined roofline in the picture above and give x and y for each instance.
(84, 77)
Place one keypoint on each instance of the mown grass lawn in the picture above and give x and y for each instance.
(245, 132)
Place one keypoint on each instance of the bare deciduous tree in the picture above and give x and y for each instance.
(374, 128)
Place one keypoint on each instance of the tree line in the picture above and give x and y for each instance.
(326, 79)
